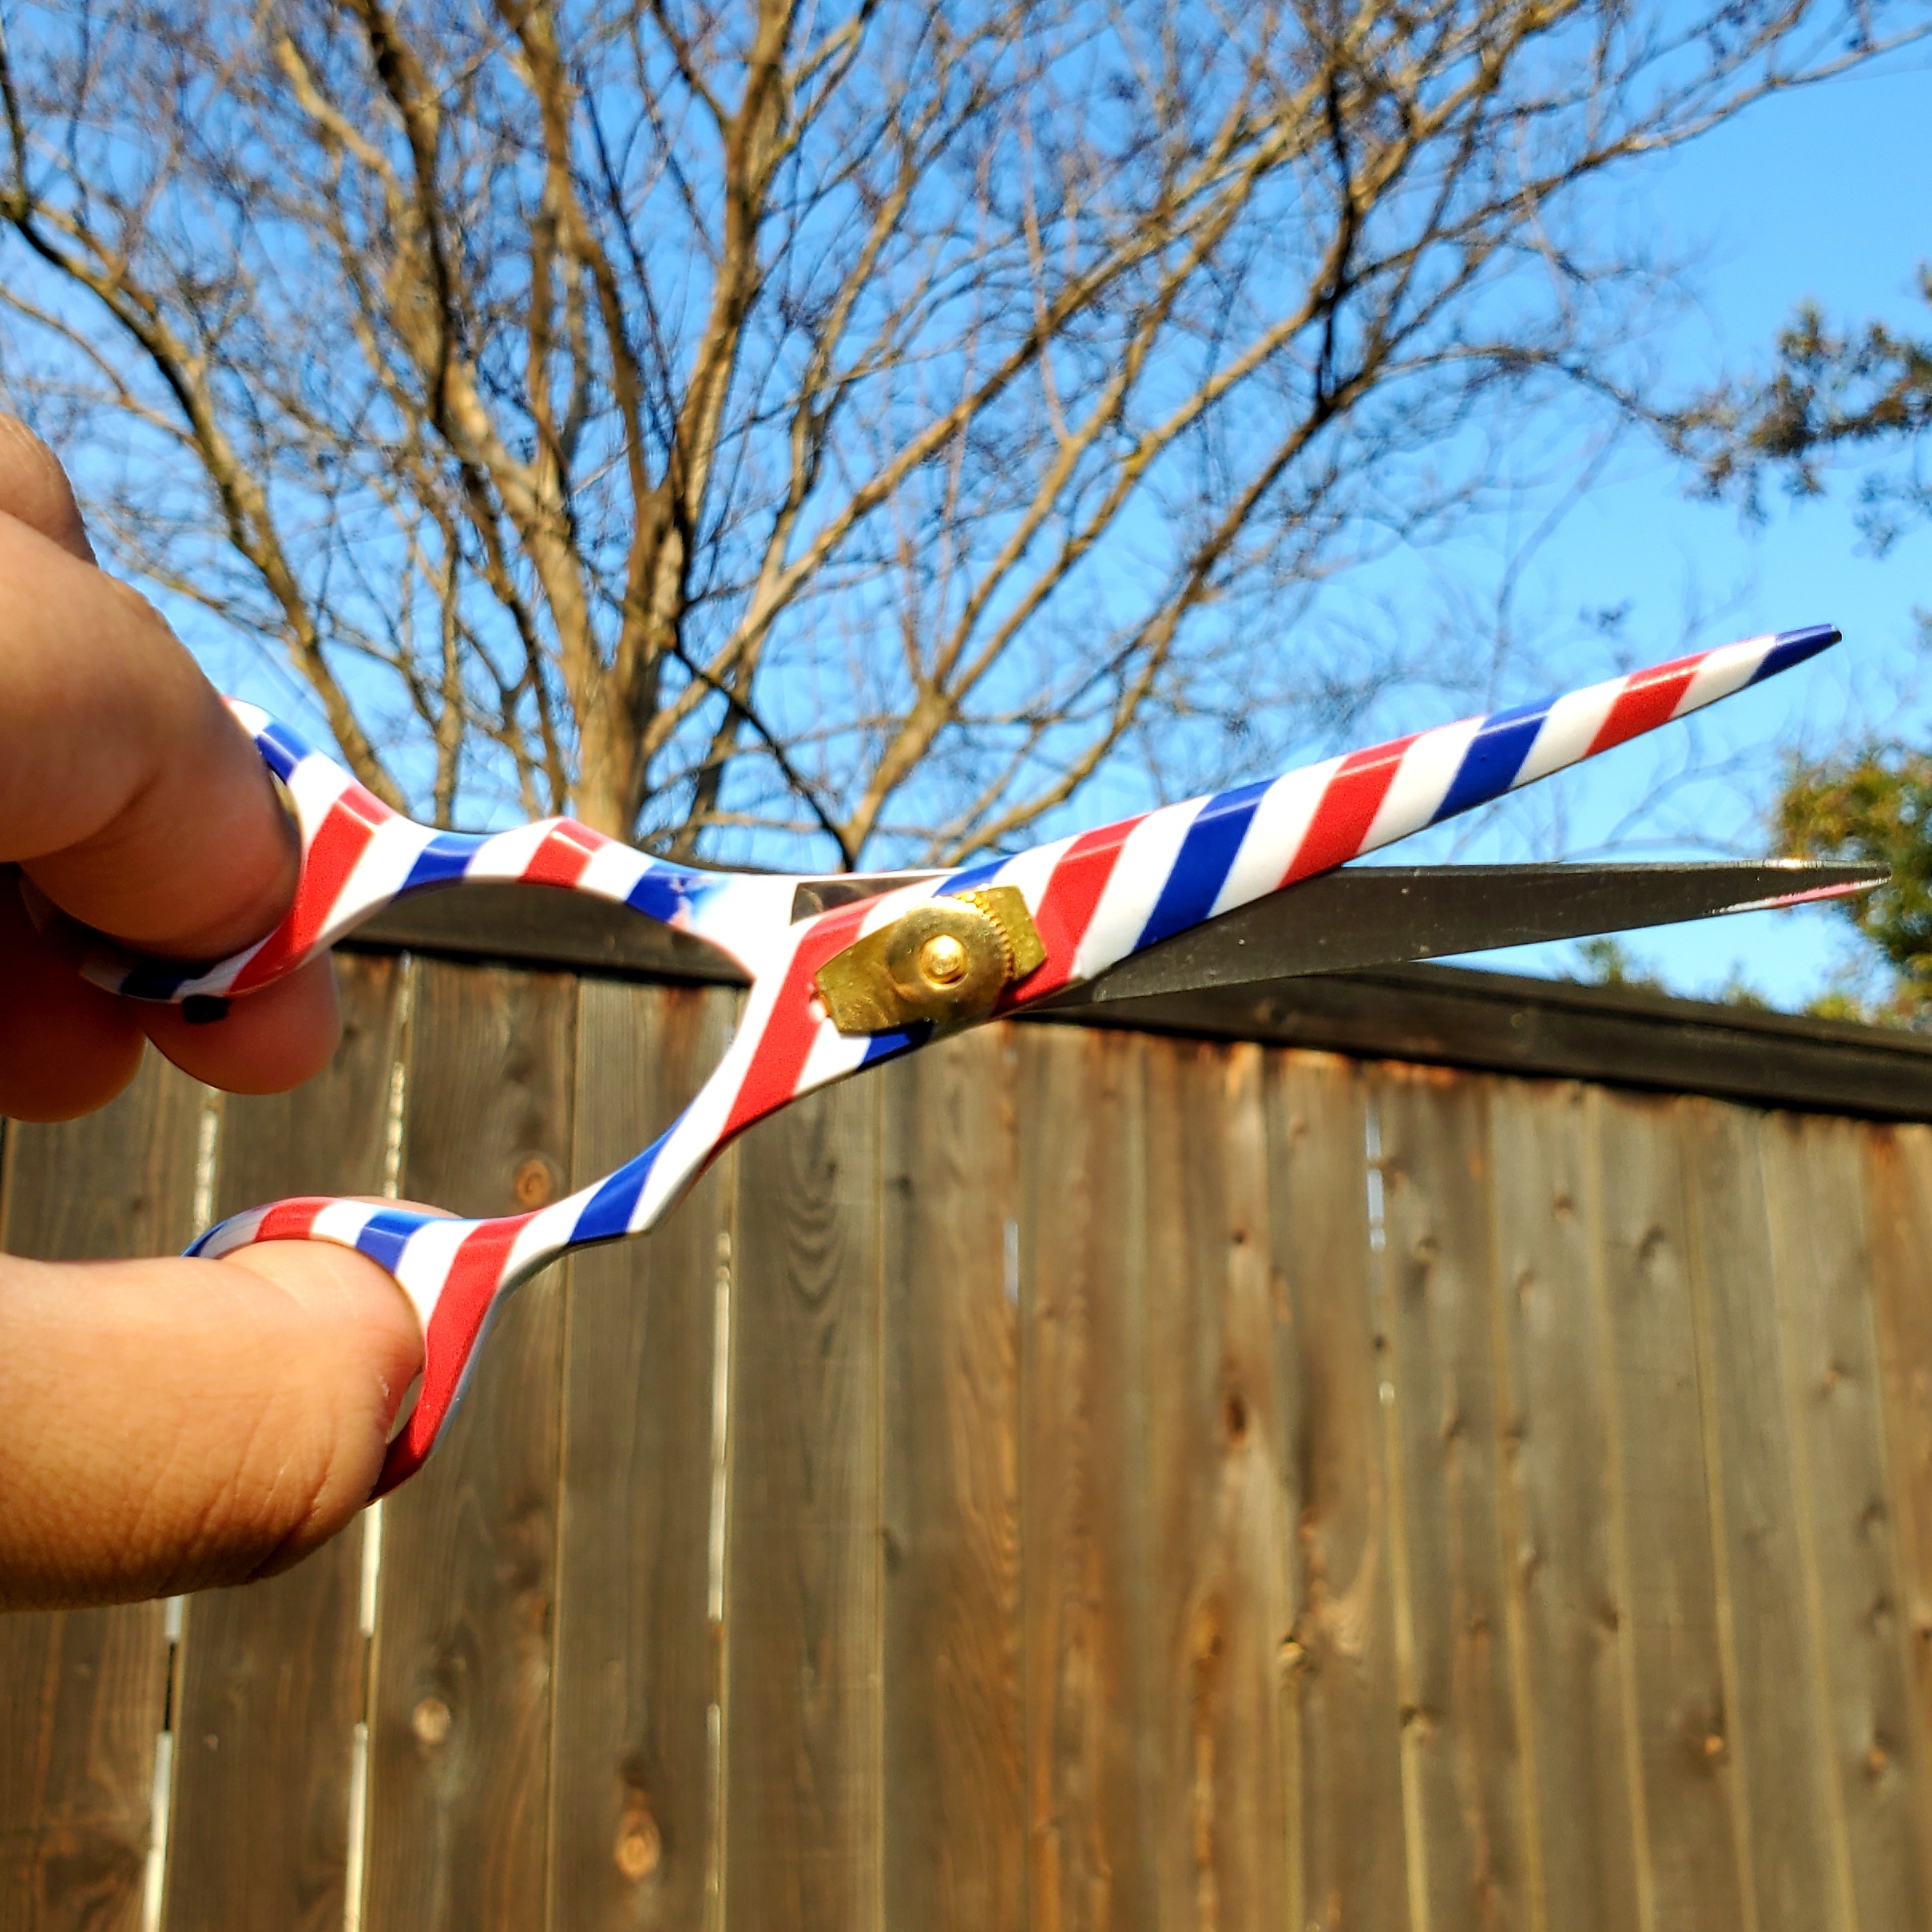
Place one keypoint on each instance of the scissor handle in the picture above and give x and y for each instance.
(1095, 899)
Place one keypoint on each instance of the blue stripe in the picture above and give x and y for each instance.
(973, 877)
(281, 749)
(667, 890)
(1202, 865)
(885, 1046)
(440, 862)
(388, 1232)
(155, 979)
(1494, 756)
(607, 1215)
(1794, 646)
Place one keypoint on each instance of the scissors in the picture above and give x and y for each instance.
(845, 973)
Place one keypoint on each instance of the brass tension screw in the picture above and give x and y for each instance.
(945, 962)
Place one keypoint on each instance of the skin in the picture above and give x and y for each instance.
(169, 1425)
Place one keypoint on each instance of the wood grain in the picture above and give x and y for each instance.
(1218, 1590)
(82, 1693)
(1085, 1478)
(1682, 1770)
(1789, 1799)
(460, 1743)
(631, 1802)
(1561, 1509)
(1465, 1787)
(271, 1676)
(802, 1709)
(1813, 1177)
(1347, 1834)
(954, 1837)
(1898, 1219)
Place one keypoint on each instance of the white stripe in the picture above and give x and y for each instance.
(237, 1231)
(315, 785)
(344, 1221)
(1031, 871)
(1729, 668)
(1274, 834)
(1133, 889)
(1422, 782)
(508, 854)
(428, 1257)
(613, 871)
(831, 1056)
(1570, 728)
(545, 1234)
(253, 719)
(377, 876)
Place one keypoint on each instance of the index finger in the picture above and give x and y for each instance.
(127, 792)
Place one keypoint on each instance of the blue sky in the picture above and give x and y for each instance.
(1818, 194)
(1823, 195)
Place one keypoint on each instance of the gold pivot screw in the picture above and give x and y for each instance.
(943, 960)
(945, 963)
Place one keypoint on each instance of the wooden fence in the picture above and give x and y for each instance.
(1074, 1479)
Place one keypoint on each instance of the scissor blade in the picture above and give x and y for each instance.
(1378, 915)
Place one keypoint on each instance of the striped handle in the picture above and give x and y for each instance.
(1096, 898)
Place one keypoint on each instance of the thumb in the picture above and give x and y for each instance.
(166, 1426)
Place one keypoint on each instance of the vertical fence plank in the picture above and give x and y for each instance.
(955, 1845)
(1790, 1800)
(1347, 1828)
(1899, 1184)
(802, 1712)
(1466, 1790)
(1572, 1619)
(1083, 1480)
(631, 1801)
(1684, 1775)
(1814, 1183)
(1219, 1593)
(82, 1692)
(271, 1676)
(461, 1733)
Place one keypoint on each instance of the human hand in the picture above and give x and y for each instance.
(167, 1424)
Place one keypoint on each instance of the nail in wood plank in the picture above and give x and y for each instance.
(1684, 1772)
(1788, 1798)
(1571, 1622)
(271, 1674)
(460, 1745)
(954, 1844)
(1221, 1530)
(82, 1692)
(1083, 1482)
(1347, 1828)
(1898, 1182)
(1814, 1181)
(631, 1801)
(802, 1709)
(1464, 1780)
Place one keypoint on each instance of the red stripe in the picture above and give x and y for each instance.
(1649, 699)
(1348, 804)
(564, 853)
(468, 1291)
(779, 1058)
(340, 840)
(291, 1221)
(1067, 907)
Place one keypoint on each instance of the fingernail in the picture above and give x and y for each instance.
(203, 1009)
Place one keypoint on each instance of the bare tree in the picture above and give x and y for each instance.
(856, 421)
